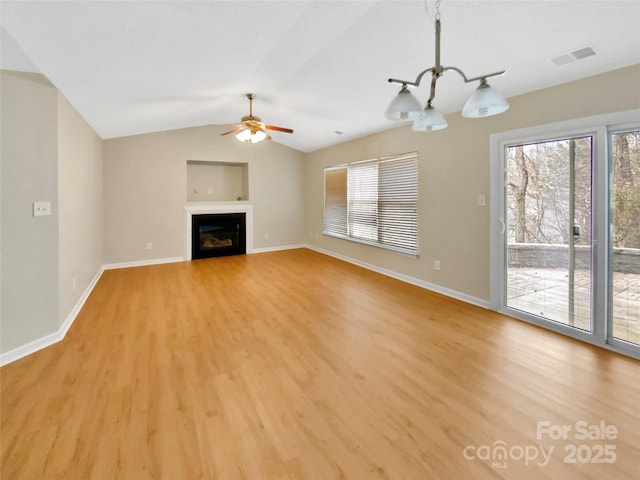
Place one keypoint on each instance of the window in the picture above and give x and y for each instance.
(374, 202)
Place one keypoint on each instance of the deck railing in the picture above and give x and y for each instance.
(541, 255)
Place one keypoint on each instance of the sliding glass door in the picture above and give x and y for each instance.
(548, 241)
(624, 271)
(565, 241)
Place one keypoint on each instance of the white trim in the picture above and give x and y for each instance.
(142, 263)
(576, 126)
(406, 278)
(204, 208)
(31, 347)
(48, 340)
(277, 249)
(64, 328)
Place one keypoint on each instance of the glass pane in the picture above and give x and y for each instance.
(549, 230)
(335, 201)
(363, 201)
(626, 237)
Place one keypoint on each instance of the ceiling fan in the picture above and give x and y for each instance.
(251, 129)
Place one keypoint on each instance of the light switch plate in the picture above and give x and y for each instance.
(41, 209)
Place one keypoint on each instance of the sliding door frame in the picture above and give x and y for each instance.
(599, 128)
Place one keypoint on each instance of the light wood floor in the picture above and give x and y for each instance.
(294, 365)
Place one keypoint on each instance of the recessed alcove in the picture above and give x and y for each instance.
(217, 181)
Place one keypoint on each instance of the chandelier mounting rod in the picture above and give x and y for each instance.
(437, 70)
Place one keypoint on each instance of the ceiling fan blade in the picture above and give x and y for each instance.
(237, 129)
(278, 129)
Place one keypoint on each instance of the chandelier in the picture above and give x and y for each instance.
(485, 101)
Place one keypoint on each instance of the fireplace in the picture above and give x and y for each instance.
(218, 235)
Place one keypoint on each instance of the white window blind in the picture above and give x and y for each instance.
(335, 201)
(374, 202)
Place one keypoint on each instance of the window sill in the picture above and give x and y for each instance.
(403, 251)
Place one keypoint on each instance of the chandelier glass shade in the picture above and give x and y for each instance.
(404, 106)
(484, 102)
(429, 121)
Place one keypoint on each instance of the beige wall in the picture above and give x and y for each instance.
(29, 173)
(145, 184)
(48, 153)
(80, 205)
(454, 170)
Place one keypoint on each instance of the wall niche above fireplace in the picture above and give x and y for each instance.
(217, 181)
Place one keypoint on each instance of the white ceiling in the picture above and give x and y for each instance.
(132, 67)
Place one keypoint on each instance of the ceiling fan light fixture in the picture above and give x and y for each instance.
(250, 136)
(404, 106)
(251, 129)
(485, 102)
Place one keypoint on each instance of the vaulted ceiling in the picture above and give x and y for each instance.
(319, 67)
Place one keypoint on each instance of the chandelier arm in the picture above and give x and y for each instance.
(467, 80)
(432, 94)
(417, 81)
(433, 70)
(484, 77)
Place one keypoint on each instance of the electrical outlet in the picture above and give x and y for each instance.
(41, 209)
(149, 245)
(436, 264)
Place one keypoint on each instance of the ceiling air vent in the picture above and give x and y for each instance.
(575, 55)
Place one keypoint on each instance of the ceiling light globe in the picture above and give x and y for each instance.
(251, 137)
(258, 136)
(244, 135)
(430, 121)
(485, 102)
(405, 106)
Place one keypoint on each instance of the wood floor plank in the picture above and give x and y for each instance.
(295, 365)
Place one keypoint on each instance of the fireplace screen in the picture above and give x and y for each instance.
(216, 235)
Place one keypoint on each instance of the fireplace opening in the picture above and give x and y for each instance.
(218, 235)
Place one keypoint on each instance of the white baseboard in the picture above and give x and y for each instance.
(406, 278)
(64, 328)
(55, 337)
(142, 263)
(276, 249)
(29, 348)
